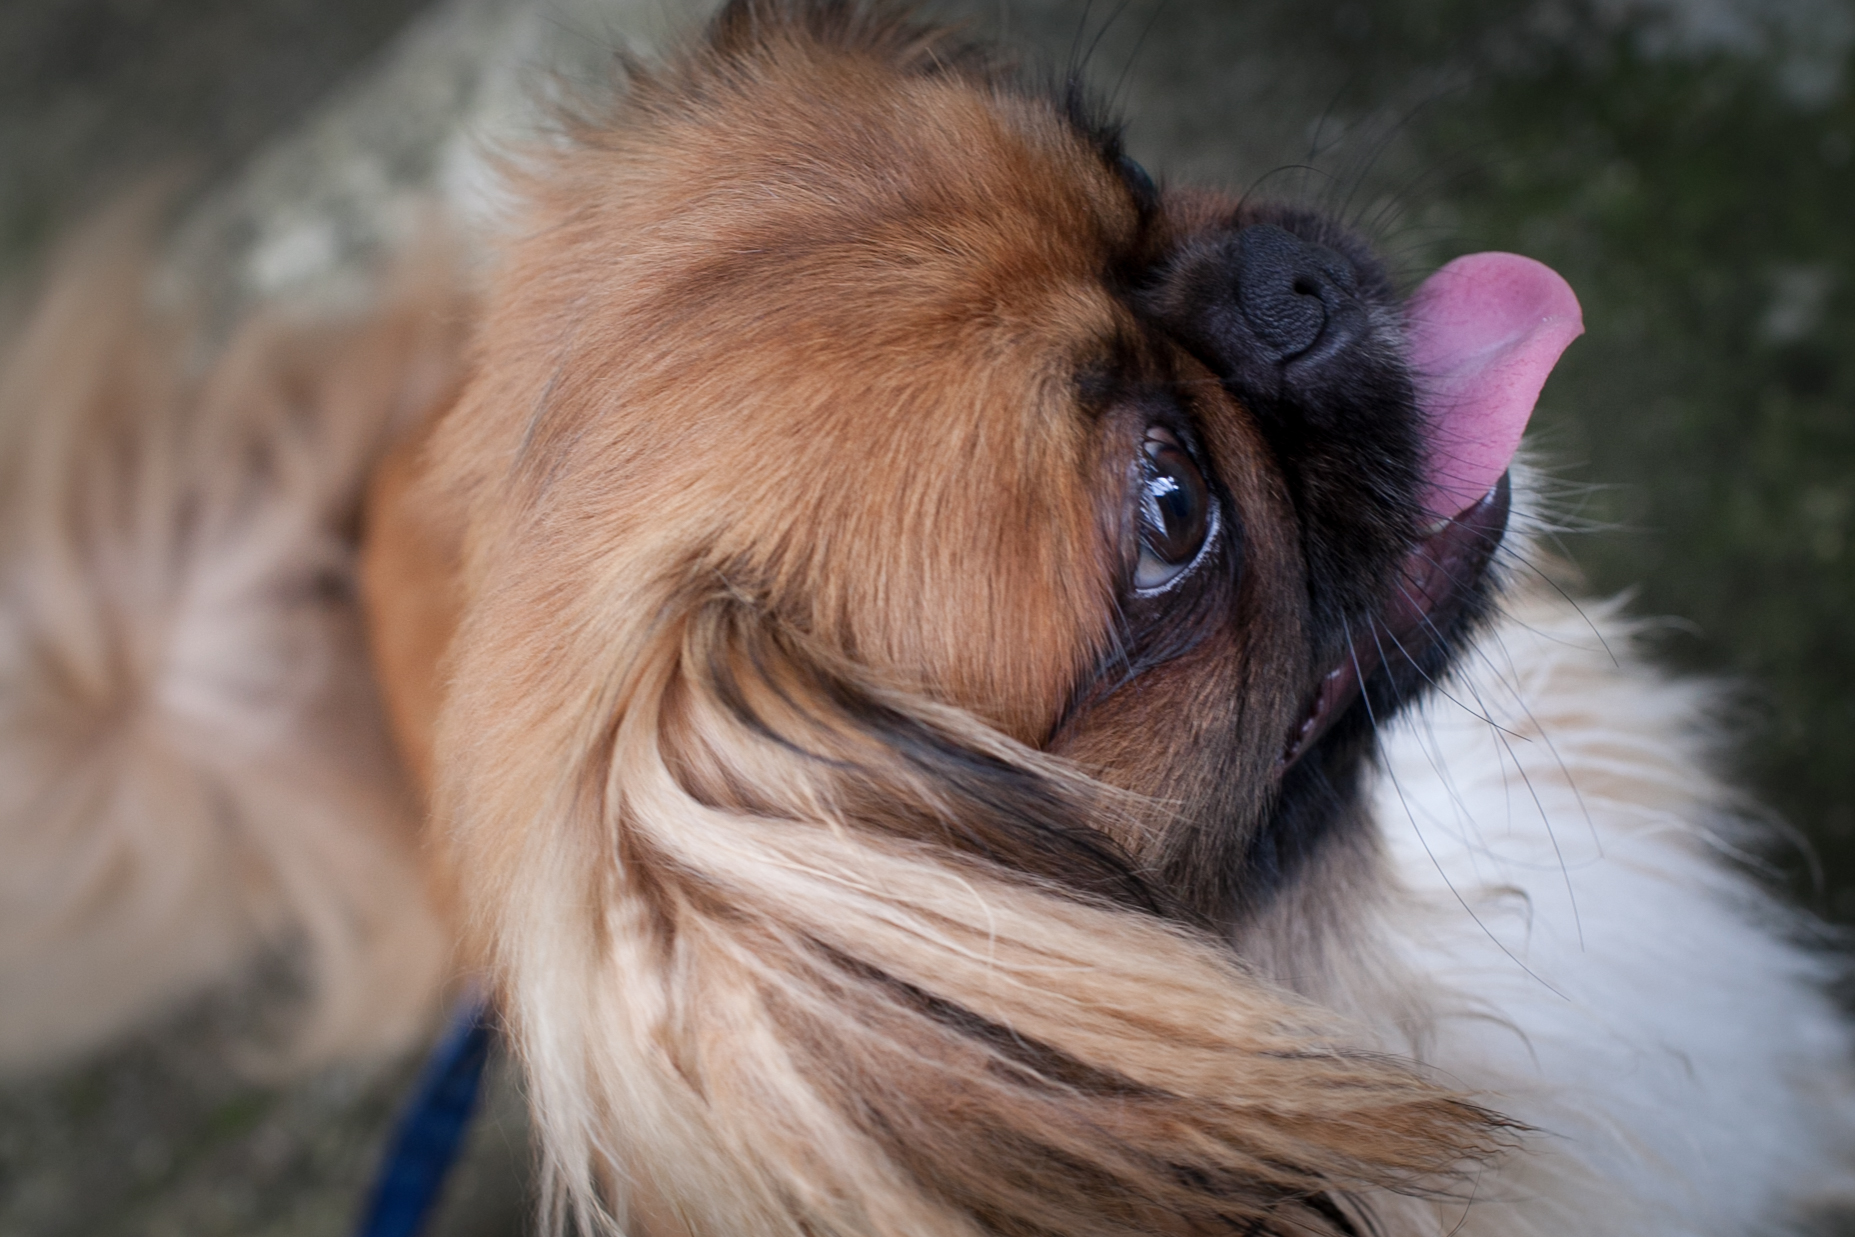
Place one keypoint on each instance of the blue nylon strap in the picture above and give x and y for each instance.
(431, 1129)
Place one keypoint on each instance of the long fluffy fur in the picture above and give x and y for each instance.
(796, 937)
(1574, 899)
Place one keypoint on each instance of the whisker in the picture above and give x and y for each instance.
(1546, 578)
(1127, 67)
(1476, 650)
(1411, 815)
(1546, 816)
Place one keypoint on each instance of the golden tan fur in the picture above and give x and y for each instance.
(408, 575)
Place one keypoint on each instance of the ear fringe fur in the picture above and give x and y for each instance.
(778, 1014)
(191, 768)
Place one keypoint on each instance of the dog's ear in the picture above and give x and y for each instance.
(790, 951)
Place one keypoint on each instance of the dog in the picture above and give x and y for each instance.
(949, 689)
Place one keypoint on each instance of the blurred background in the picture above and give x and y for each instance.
(1689, 166)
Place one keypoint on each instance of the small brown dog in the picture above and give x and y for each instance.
(901, 628)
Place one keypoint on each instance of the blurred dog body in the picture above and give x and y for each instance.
(919, 652)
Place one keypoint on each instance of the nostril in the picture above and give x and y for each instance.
(1287, 288)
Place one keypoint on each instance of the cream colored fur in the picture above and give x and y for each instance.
(1574, 933)
(192, 770)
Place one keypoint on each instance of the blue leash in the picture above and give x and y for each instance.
(431, 1129)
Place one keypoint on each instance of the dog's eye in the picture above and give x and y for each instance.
(1175, 511)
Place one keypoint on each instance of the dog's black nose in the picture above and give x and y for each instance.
(1275, 312)
(1289, 290)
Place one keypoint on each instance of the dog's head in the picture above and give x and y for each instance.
(928, 592)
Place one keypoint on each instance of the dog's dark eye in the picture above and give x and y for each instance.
(1175, 511)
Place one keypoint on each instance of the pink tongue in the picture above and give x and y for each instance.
(1484, 333)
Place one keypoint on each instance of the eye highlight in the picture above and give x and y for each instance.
(1174, 511)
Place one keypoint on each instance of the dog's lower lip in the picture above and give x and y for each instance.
(1434, 582)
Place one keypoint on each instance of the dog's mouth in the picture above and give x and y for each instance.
(1484, 332)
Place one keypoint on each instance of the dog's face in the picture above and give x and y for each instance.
(861, 441)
